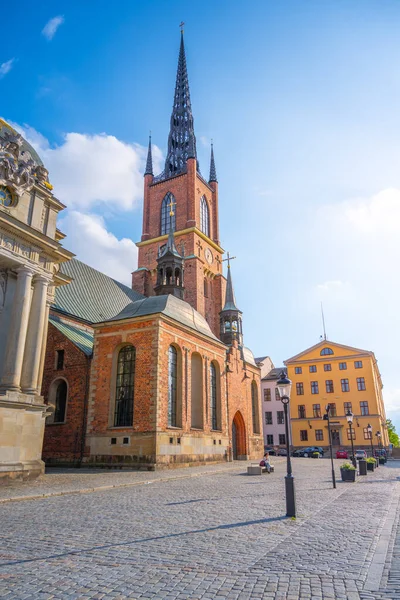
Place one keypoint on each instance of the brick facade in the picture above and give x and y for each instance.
(151, 442)
(63, 442)
(188, 189)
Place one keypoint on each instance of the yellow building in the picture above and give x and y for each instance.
(346, 378)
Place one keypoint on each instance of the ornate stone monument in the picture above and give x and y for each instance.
(30, 257)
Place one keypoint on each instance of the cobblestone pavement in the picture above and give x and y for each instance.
(210, 537)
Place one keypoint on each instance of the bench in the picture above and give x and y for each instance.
(255, 469)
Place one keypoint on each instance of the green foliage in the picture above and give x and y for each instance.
(371, 459)
(393, 436)
(348, 467)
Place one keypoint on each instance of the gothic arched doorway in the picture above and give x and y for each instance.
(238, 437)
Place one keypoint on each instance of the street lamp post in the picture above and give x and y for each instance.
(349, 417)
(378, 435)
(326, 418)
(369, 429)
(284, 386)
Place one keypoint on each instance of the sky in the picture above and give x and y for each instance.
(301, 100)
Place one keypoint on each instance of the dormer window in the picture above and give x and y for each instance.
(326, 351)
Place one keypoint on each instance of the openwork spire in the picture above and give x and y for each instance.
(181, 139)
(149, 163)
(213, 171)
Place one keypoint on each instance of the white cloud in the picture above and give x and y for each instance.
(88, 170)
(50, 29)
(6, 67)
(329, 285)
(89, 239)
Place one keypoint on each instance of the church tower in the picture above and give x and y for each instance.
(194, 224)
(230, 316)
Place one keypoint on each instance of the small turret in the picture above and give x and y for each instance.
(149, 162)
(213, 171)
(170, 266)
(230, 316)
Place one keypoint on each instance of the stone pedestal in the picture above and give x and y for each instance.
(22, 420)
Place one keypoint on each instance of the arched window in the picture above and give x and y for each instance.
(197, 391)
(204, 217)
(172, 386)
(165, 216)
(124, 391)
(254, 407)
(214, 396)
(61, 402)
(326, 351)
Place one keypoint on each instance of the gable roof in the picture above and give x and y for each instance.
(91, 296)
(82, 338)
(169, 305)
(274, 374)
(324, 343)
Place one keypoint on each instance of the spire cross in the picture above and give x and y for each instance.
(228, 259)
(171, 205)
(181, 25)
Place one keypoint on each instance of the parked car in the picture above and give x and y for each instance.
(282, 452)
(271, 451)
(342, 454)
(298, 453)
(361, 454)
(311, 449)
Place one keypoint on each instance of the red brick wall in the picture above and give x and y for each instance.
(62, 442)
(152, 338)
(188, 190)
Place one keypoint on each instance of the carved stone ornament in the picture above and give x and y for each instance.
(16, 174)
(3, 287)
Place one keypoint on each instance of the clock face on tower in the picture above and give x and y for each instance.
(208, 256)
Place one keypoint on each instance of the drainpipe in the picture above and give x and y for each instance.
(85, 408)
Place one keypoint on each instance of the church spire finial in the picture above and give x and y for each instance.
(230, 301)
(181, 139)
(149, 162)
(213, 171)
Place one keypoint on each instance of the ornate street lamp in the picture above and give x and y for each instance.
(349, 417)
(326, 418)
(284, 386)
(378, 437)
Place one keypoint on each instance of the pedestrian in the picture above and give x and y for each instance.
(265, 462)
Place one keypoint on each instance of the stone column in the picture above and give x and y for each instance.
(34, 337)
(17, 331)
(44, 345)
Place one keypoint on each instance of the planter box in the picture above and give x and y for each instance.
(348, 474)
(370, 466)
(381, 460)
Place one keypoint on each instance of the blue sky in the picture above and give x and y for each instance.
(302, 101)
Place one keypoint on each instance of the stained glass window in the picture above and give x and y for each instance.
(213, 396)
(123, 416)
(172, 387)
(165, 216)
(204, 217)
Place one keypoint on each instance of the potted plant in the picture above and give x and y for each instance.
(348, 472)
(371, 463)
(315, 455)
(382, 460)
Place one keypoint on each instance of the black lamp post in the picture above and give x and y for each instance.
(369, 429)
(378, 435)
(349, 417)
(326, 418)
(284, 386)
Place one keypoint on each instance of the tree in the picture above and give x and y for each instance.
(393, 437)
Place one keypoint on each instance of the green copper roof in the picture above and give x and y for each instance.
(172, 307)
(79, 337)
(91, 296)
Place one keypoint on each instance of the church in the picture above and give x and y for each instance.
(157, 375)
